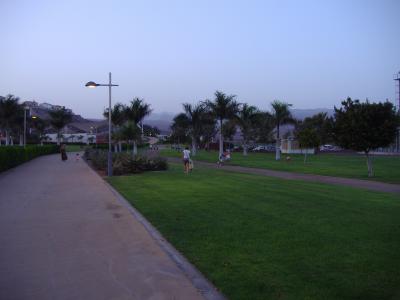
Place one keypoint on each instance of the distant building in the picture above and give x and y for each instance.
(291, 146)
(46, 106)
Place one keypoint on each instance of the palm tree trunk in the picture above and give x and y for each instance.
(244, 148)
(278, 144)
(221, 139)
(134, 147)
(21, 140)
(194, 146)
(7, 138)
(369, 165)
(120, 146)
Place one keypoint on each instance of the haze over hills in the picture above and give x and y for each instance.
(161, 120)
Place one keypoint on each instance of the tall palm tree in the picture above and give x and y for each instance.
(281, 115)
(135, 113)
(59, 118)
(223, 107)
(246, 119)
(118, 118)
(10, 112)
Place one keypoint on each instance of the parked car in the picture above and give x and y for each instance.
(259, 148)
(264, 148)
(329, 148)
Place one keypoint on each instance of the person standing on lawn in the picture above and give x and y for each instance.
(186, 159)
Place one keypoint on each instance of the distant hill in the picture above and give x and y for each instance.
(300, 114)
(161, 120)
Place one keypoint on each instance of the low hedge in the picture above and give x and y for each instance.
(125, 163)
(11, 156)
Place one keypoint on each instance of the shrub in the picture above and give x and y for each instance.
(11, 156)
(125, 163)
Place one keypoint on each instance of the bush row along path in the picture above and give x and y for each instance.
(64, 234)
(357, 183)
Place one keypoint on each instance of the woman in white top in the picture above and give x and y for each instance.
(186, 159)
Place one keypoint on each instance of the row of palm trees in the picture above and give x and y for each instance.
(127, 122)
(12, 120)
(223, 115)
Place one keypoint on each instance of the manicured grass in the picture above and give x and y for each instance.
(387, 168)
(257, 237)
(75, 148)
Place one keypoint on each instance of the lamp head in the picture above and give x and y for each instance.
(34, 117)
(91, 84)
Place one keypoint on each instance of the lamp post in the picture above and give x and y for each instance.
(92, 84)
(26, 108)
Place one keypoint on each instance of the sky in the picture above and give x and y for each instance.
(311, 54)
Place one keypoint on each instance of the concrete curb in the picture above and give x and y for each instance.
(205, 287)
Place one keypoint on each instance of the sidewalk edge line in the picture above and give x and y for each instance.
(198, 280)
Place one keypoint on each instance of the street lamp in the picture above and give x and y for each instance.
(26, 108)
(92, 84)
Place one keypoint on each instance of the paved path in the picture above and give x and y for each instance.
(65, 235)
(358, 183)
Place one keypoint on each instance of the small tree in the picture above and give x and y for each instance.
(281, 115)
(321, 124)
(131, 132)
(247, 121)
(135, 113)
(365, 126)
(180, 128)
(40, 126)
(308, 138)
(264, 125)
(118, 118)
(10, 115)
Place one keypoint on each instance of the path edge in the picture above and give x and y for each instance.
(198, 280)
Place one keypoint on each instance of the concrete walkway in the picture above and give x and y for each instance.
(65, 235)
(357, 183)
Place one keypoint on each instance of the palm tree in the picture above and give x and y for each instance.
(196, 118)
(223, 107)
(130, 132)
(246, 120)
(40, 126)
(10, 111)
(180, 128)
(264, 124)
(118, 118)
(281, 115)
(135, 113)
(59, 118)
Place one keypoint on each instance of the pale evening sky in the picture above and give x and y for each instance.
(309, 53)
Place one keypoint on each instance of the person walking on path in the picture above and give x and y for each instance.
(63, 151)
(186, 159)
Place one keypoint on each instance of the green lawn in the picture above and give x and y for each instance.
(387, 168)
(257, 237)
(75, 148)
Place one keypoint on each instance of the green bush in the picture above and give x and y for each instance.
(125, 163)
(11, 156)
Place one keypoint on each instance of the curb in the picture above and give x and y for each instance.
(205, 287)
